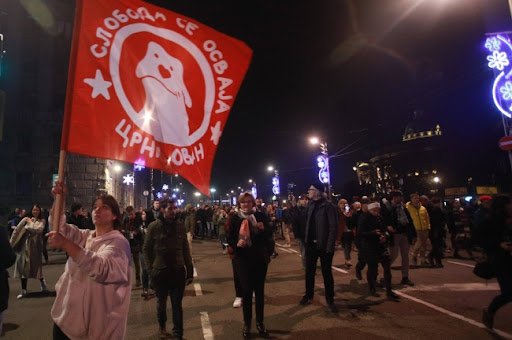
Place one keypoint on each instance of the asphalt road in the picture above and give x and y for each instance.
(445, 303)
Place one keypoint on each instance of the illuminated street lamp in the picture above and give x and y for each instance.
(436, 179)
(213, 190)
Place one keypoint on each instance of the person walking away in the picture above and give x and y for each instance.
(299, 218)
(248, 234)
(346, 229)
(132, 230)
(190, 224)
(29, 264)
(459, 227)
(495, 237)
(169, 263)
(437, 231)
(320, 236)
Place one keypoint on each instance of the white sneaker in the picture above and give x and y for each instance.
(22, 294)
(238, 302)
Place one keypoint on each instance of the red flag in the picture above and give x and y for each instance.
(147, 84)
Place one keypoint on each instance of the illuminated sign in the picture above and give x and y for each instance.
(500, 49)
(323, 163)
(275, 185)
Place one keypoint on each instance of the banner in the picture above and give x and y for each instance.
(151, 87)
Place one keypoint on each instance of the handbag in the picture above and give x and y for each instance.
(484, 268)
(21, 237)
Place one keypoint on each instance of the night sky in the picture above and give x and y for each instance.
(352, 72)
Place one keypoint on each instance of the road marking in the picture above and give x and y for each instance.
(207, 327)
(455, 287)
(452, 314)
(195, 272)
(462, 264)
(197, 288)
(340, 270)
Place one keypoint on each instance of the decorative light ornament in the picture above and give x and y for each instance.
(275, 185)
(254, 191)
(323, 164)
(159, 195)
(165, 187)
(128, 179)
(139, 164)
(499, 60)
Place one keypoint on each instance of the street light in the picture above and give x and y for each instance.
(212, 190)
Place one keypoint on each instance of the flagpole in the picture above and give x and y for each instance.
(58, 198)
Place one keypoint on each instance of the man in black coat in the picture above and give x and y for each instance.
(7, 258)
(320, 238)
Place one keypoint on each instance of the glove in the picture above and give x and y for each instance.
(189, 280)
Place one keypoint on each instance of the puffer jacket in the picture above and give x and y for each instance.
(419, 216)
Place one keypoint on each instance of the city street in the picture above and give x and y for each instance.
(444, 303)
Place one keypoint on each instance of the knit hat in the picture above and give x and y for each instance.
(485, 197)
(318, 186)
(373, 205)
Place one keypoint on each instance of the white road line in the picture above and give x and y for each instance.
(452, 314)
(286, 250)
(207, 328)
(340, 270)
(197, 288)
(455, 287)
(195, 272)
(462, 264)
(293, 251)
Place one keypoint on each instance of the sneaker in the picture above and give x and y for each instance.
(22, 294)
(144, 293)
(151, 292)
(274, 255)
(392, 295)
(406, 282)
(374, 293)
(487, 318)
(305, 300)
(237, 303)
(43, 286)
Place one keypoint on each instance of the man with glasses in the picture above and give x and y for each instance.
(320, 237)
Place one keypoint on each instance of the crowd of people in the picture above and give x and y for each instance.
(103, 247)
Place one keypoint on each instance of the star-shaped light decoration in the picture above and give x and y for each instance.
(216, 133)
(128, 179)
(159, 195)
(165, 187)
(99, 85)
(139, 165)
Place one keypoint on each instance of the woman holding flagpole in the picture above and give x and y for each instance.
(249, 234)
(93, 293)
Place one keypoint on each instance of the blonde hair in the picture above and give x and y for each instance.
(244, 195)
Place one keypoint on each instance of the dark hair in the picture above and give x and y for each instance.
(164, 202)
(114, 206)
(129, 209)
(436, 199)
(499, 204)
(395, 193)
(40, 217)
(75, 207)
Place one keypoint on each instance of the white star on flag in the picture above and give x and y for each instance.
(99, 85)
(216, 133)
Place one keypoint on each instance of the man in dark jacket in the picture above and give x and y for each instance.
(320, 238)
(7, 258)
(402, 231)
(168, 261)
(132, 230)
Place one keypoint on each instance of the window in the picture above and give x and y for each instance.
(23, 183)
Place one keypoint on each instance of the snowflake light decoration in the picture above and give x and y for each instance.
(128, 179)
(498, 60)
(165, 187)
(159, 195)
(493, 44)
(139, 165)
(507, 90)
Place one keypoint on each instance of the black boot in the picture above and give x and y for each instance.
(262, 330)
(392, 295)
(247, 331)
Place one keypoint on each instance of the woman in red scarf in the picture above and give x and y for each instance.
(248, 235)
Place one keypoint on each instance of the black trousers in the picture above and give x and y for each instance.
(170, 283)
(371, 274)
(436, 254)
(312, 255)
(236, 279)
(252, 274)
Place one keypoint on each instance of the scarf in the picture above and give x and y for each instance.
(249, 216)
